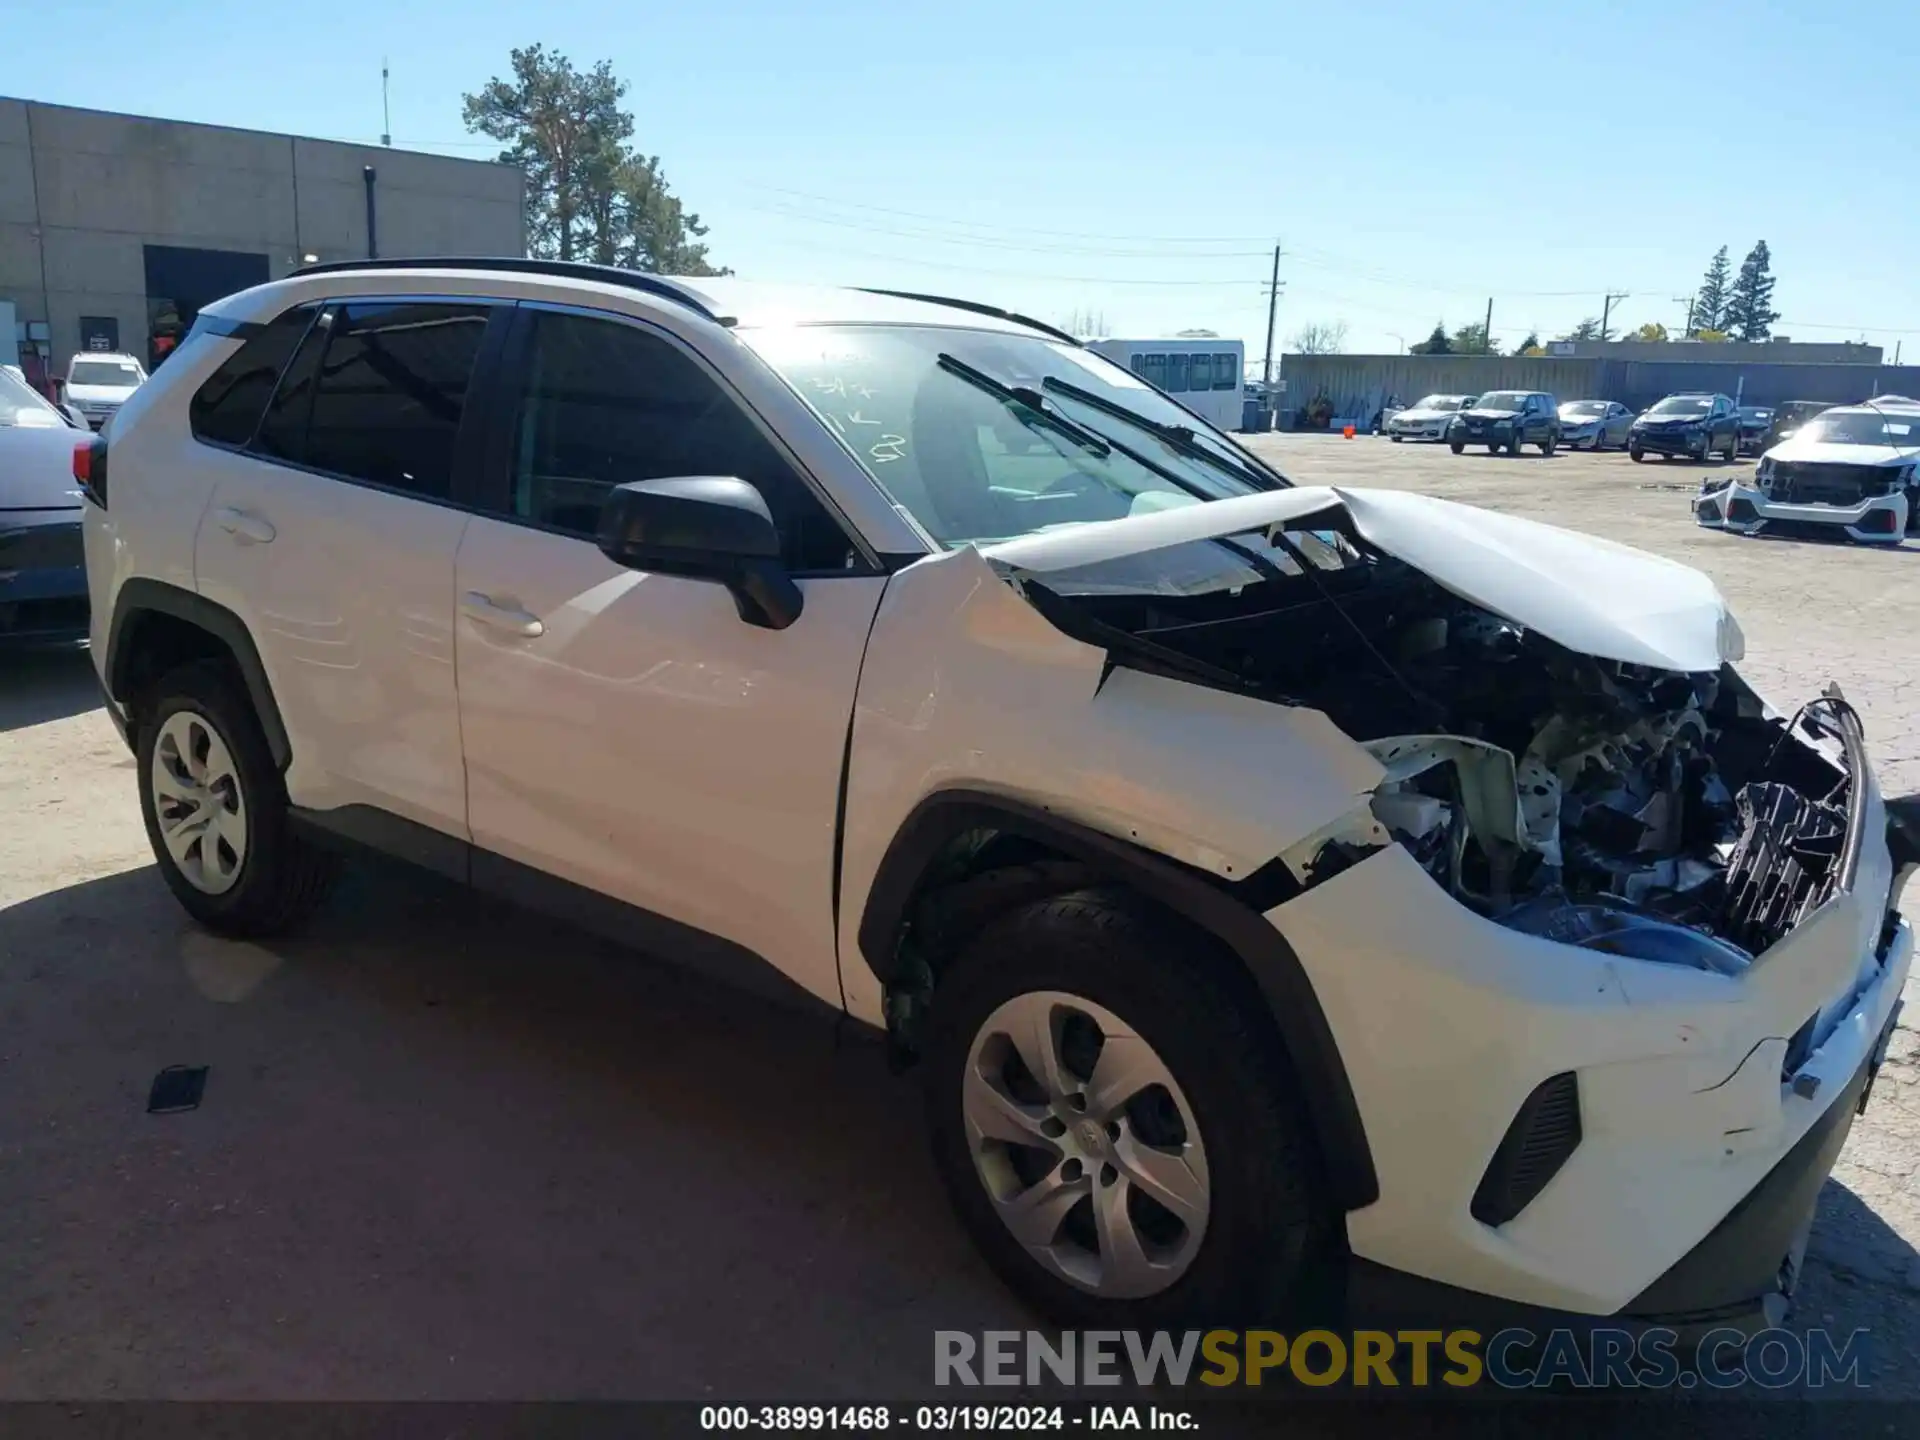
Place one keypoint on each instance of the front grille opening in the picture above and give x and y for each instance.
(1544, 1133)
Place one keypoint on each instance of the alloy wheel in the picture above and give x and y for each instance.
(198, 800)
(1086, 1144)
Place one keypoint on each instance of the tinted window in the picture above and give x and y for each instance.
(1176, 374)
(226, 409)
(1156, 371)
(1137, 364)
(1226, 373)
(604, 403)
(387, 400)
(1200, 373)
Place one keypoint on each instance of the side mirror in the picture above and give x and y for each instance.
(74, 417)
(703, 527)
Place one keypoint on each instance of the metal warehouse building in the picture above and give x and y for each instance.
(115, 230)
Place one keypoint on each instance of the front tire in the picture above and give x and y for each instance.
(1455, 446)
(1397, 438)
(1636, 454)
(1117, 1132)
(215, 808)
(1547, 445)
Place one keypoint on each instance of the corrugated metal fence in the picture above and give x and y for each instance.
(1357, 386)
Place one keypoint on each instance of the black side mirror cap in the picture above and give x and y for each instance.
(704, 527)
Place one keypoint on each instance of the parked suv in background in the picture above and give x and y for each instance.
(905, 654)
(99, 384)
(1687, 426)
(1506, 420)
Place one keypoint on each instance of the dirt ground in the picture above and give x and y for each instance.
(451, 1152)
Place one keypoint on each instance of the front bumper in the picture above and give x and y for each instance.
(1687, 1101)
(1488, 435)
(1691, 445)
(1745, 510)
(1432, 430)
(43, 578)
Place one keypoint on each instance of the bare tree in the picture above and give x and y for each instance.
(1087, 324)
(1321, 338)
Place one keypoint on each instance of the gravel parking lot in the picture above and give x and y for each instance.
(451, 1152)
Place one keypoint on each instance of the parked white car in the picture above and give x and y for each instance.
(1853, 470)
(99, 384)
(1270, 883)
(1427, 418)
(1594, 424)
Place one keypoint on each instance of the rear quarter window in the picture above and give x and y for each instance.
(226, 409)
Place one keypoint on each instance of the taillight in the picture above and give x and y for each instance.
(90, 468)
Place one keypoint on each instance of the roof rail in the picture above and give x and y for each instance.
(978, 309)
(519, 265)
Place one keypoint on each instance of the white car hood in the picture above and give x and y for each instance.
(1424, 414)
(100, 394)
(1827, 452)
(1590, 595)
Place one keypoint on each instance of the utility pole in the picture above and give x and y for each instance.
(1273, 303)
(1686, 300)
(1606, 312)
(1486, 335)
(386, 113)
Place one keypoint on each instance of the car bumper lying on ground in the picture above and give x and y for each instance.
(1746, 510)
(43, 578)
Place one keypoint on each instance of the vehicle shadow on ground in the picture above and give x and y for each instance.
(1862, 1274)
(447, 1150)
(41, 685)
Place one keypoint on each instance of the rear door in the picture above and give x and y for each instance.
(627, 732)
(332, 532)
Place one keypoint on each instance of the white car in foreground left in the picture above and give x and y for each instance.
(1272, 884)
(1427, 418)
(1853, 470)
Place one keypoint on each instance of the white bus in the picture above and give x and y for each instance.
(1203, 374)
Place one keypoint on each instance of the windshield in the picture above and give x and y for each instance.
(1863, 427)
(1682, 405)
(1584, 407)
(120, 374)
(1756, 413)
(1502, 400)
(1436, 402)
(958, 427)
(21, 405)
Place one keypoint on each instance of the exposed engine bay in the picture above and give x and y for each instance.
(1638, 811)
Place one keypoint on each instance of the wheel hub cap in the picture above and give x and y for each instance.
(1086, 1144)
(198, 802)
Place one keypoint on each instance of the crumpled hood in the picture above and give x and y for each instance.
(1476, 413)
(1590, 595)
(1828, 452)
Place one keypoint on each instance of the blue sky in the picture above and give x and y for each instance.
(1138, 160)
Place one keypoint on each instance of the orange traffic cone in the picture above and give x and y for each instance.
(1348, 432)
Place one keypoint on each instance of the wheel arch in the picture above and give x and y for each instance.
(156, 625)
(1230, 913)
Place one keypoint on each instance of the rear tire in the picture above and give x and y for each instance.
(1515, 440)
(215, 807)
(1547, 445)
(1170, 1007)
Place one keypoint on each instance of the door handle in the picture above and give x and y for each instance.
(510, 618)
(247, 529)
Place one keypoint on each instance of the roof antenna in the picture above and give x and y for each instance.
(386, 114)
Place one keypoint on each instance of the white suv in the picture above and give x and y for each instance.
(1275, 886)
(99, 384)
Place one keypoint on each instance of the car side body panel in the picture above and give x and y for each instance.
(965, 684)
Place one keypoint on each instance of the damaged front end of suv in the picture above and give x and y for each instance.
(1608, 945)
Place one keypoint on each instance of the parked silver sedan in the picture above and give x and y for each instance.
(1594, 424)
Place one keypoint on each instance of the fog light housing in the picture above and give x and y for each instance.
(1709, 510)
(1877, 522)
(1741, 512)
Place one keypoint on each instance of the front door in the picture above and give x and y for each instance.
(333, 537)
(628, 732)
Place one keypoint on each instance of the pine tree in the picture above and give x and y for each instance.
(1435, 344)
(1750, 313)
(1710, 301)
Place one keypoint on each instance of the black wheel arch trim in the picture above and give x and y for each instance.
(1213, 905)
(146, 596)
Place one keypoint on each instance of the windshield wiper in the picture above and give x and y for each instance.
(1180, 437)
(1026, 398)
